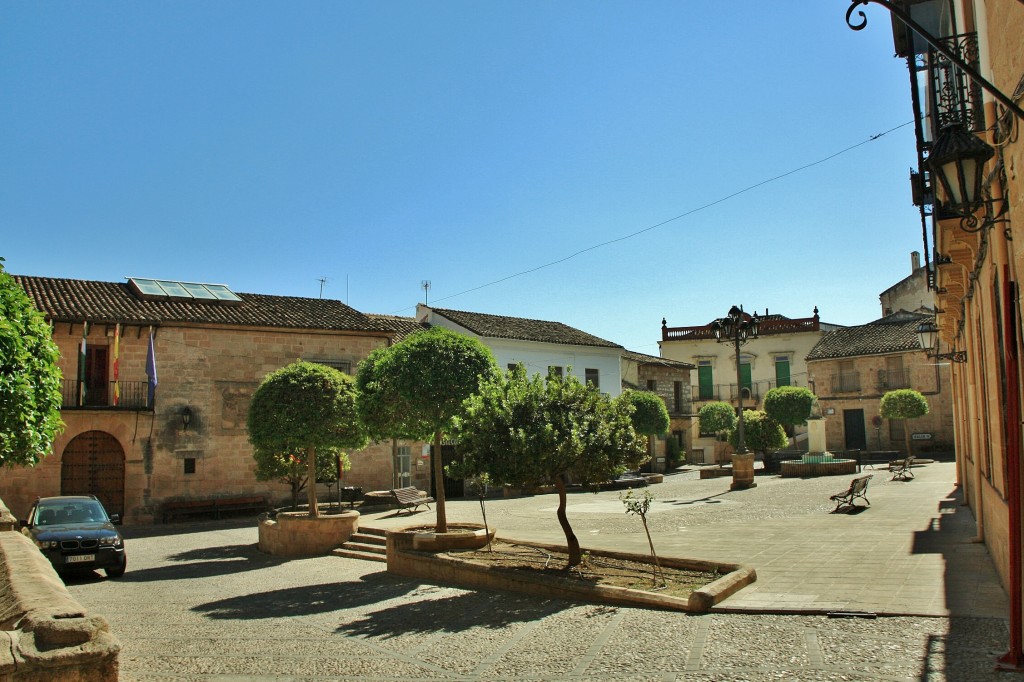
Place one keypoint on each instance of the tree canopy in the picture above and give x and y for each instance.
(650, 416)
(415, 389)
(717, 417)
(305, 408)
(904, 403)
(30, 380)
(789, 405)
(532, 431)
(760, 432)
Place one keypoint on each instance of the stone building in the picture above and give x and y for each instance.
(850, 369)
(775, 358)
(210, 348)
(670, 381)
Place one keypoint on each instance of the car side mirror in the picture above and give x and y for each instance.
(115, 518)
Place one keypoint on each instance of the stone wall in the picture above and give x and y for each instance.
(212, 371)
(46, 634)
(296, 534)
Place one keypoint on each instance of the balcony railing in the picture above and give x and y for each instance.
(889, 379)
(753, 391)
(846, 383)
(134, 395)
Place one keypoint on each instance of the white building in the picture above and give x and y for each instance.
(539, 345)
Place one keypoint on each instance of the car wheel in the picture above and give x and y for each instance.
(118, 571)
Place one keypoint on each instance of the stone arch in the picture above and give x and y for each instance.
(93, 464)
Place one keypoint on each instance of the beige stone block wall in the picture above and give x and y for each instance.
(46, 634)
(213, 372)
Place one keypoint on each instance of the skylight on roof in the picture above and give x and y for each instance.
(163, 290)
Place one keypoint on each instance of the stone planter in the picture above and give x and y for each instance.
(459, 536)
(295, 534)
(742, 471)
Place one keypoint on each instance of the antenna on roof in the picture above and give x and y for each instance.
(425, 284)
(323, 281)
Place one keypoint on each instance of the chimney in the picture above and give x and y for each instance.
(915, 261)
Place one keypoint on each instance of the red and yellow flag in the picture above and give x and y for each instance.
(117, 353)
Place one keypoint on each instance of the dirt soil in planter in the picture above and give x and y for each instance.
(594, 570)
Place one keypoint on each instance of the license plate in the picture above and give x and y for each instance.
(80, 558)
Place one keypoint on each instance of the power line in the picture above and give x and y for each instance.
(727, 197)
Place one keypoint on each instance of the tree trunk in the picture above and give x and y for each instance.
(442, 519)
(571, 543)
(311, 482)
(906, 435)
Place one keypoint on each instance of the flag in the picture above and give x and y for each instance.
(81, 365)
(117, 353)
(151, 371)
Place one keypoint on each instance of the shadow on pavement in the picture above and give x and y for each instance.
(453, 614)
(972, 644)
(309, 599)
(205, 563)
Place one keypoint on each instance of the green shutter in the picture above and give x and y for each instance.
(707, 388)
(782, 373)
(745, 381)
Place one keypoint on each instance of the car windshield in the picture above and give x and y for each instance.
(64, 512)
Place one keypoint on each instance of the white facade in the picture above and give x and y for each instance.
(537, 356)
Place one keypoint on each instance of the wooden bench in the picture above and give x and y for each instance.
(410, 498)
(215, 507)
(858, 488)
(901, 470)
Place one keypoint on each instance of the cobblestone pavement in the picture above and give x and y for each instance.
(199, 602)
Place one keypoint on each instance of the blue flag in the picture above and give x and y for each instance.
(151, 371)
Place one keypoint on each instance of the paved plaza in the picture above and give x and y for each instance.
(199, 602)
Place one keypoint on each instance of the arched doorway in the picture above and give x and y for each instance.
(93, 464)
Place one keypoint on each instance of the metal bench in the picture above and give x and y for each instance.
(410, 498)
(901, 470)
(858, 488)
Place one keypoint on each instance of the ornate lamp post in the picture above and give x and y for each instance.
(738, 328)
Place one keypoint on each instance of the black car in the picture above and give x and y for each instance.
(75, 533)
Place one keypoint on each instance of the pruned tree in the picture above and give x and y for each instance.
(904, 403)
(416, 388)
(30, 380)
(305, 408)
(650, 416)
(533, 431)
(717, 417)
(789, 405)
(760, 432)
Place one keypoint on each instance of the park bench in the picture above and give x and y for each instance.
(901, 470)
(410, 498)
(213, 507)
(858, 488)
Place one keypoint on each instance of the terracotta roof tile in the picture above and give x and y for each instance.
(892, 334)
(644, 359)
(502, 327)
(75, 300)
(402, 326)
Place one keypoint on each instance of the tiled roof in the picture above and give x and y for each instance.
(643, 359)
(402, 326)
(75, 300)
(892, 334)
(502, 327)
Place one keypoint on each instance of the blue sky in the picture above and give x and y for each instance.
(265, 145)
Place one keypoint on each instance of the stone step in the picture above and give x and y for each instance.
(368, 539)
(369, 548)
(344, 551)
(365, 530)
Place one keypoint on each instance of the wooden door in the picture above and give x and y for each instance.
(93, 464)
(854, 429)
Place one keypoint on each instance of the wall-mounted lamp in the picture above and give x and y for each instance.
(928, 337)
(186, 417)
(958, 160)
